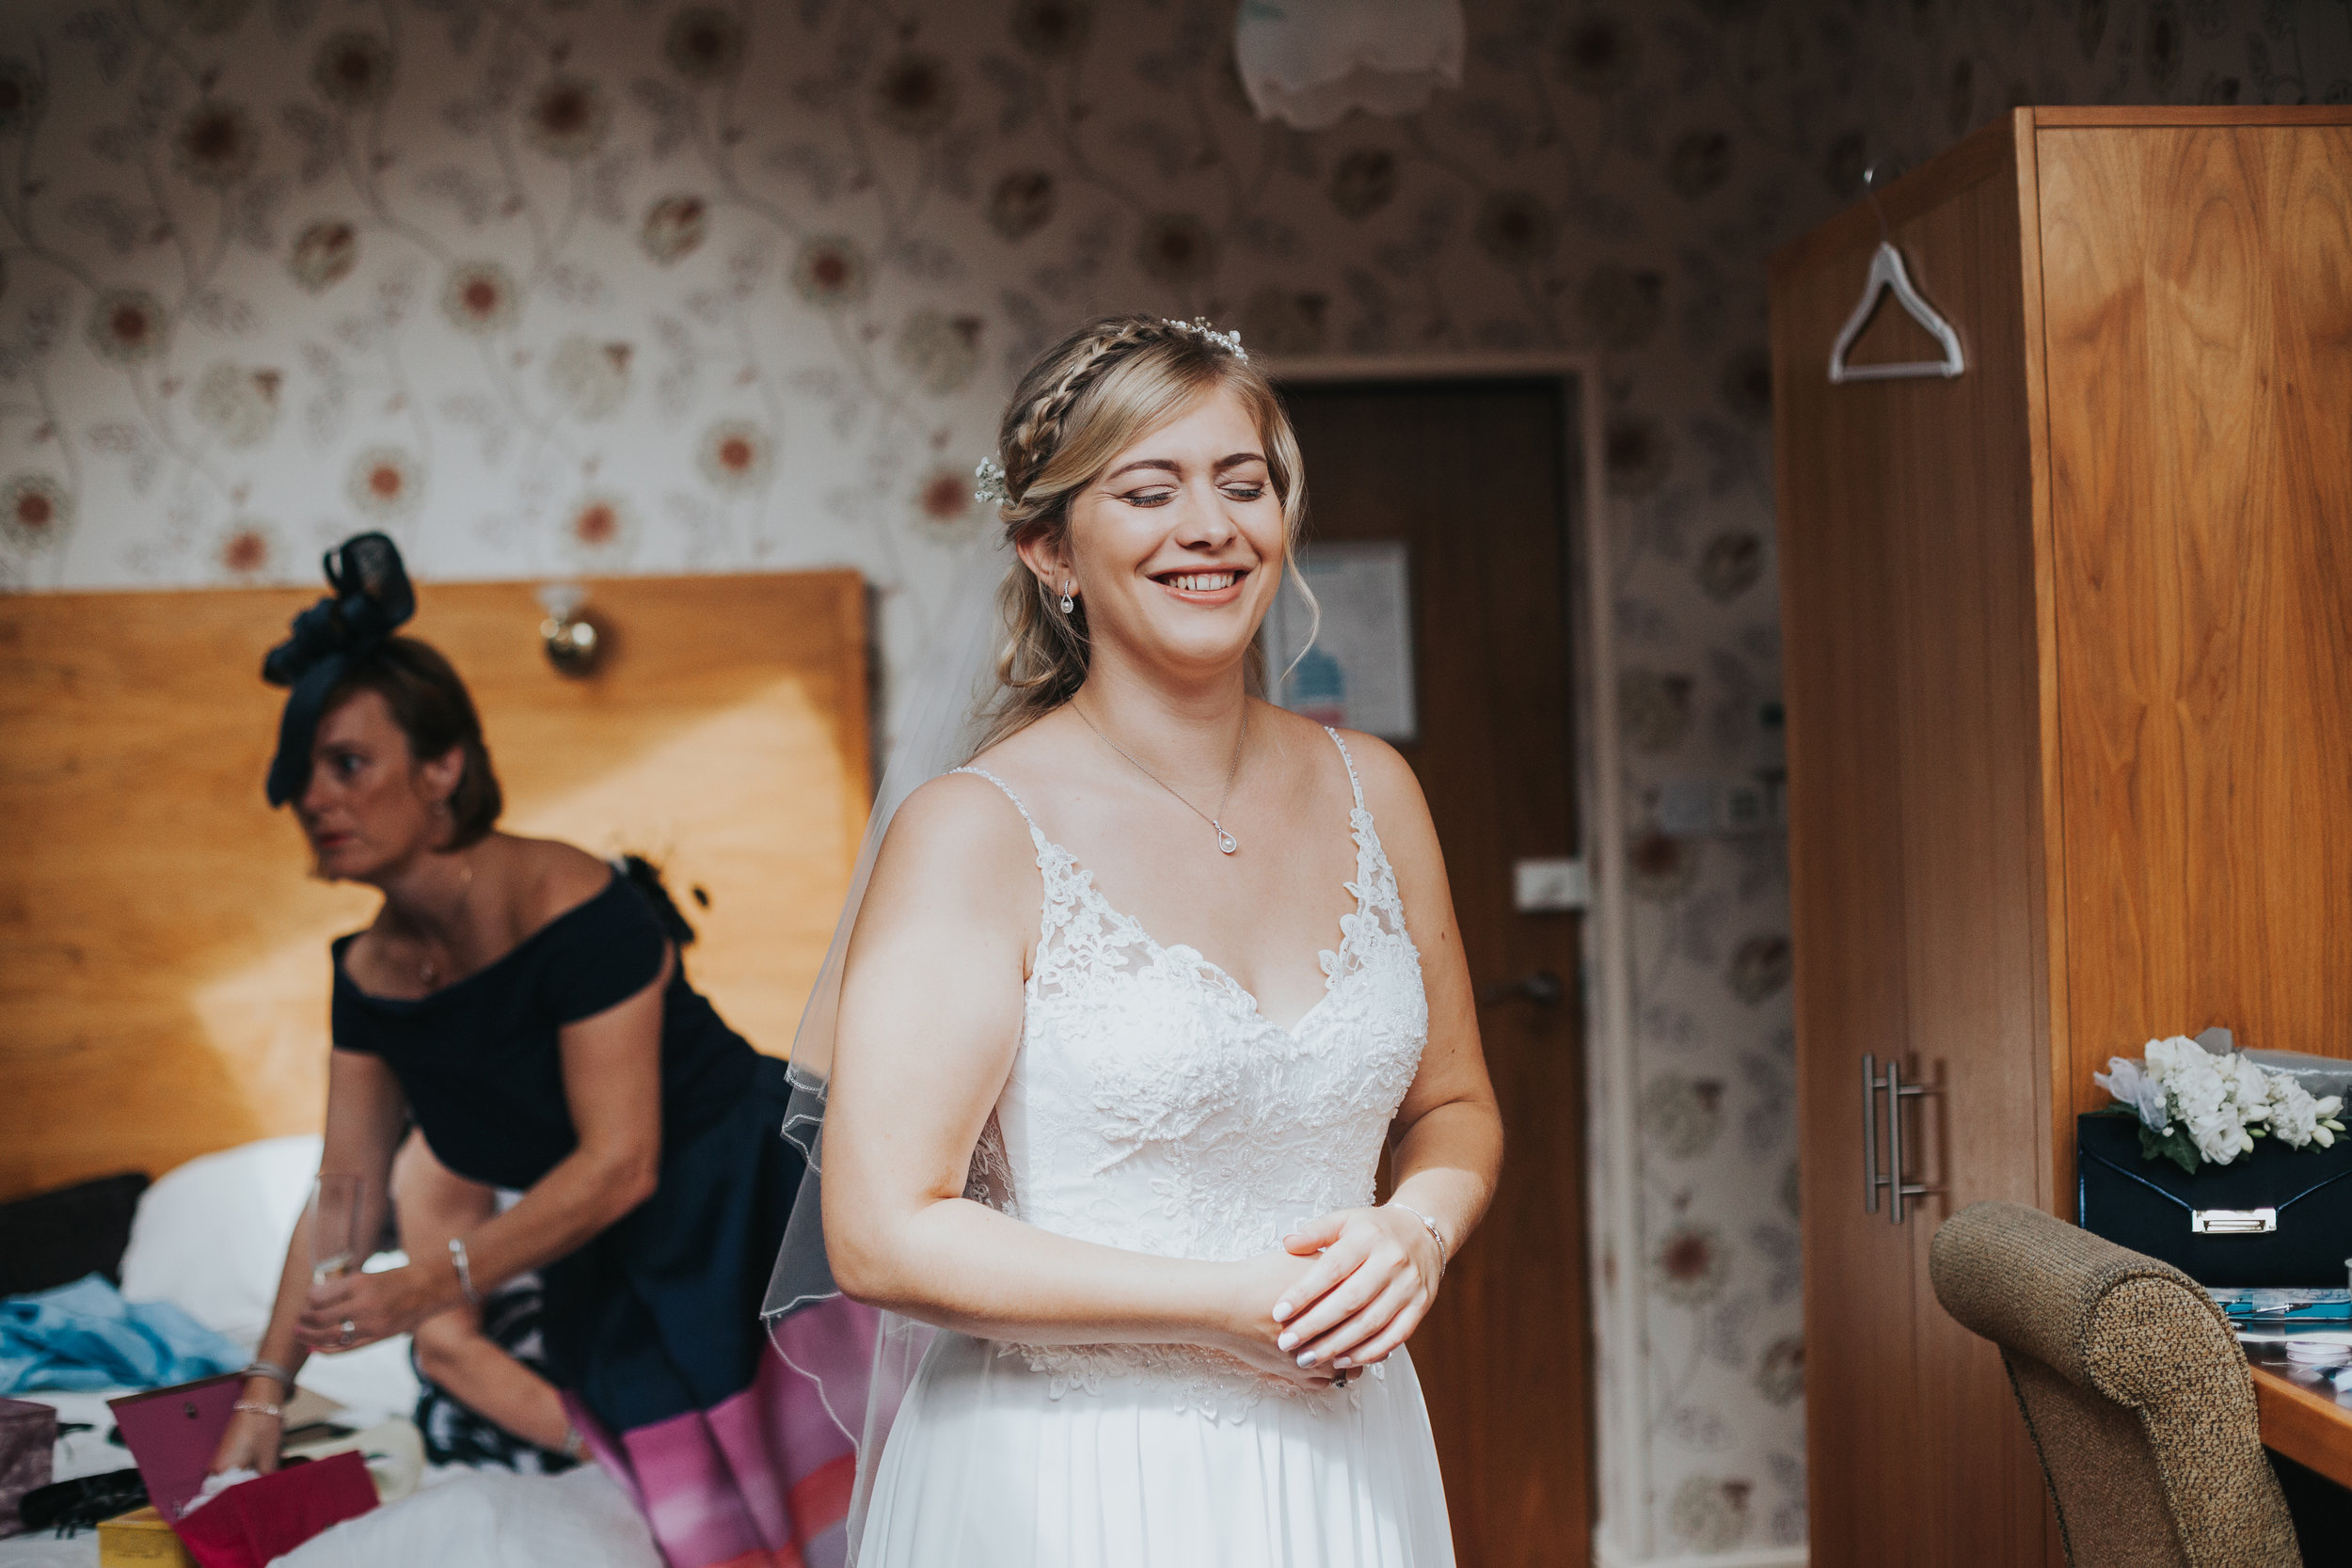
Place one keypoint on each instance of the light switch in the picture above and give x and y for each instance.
(1549, 886)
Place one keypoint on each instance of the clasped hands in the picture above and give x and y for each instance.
(1349, 1288)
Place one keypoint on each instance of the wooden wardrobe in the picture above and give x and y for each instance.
(2069, 668)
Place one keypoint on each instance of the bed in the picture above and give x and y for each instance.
(210, 1238)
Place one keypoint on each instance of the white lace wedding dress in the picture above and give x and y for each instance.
(1153, 1107)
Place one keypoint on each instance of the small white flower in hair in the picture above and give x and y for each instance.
(991, 490)
(1199, 327)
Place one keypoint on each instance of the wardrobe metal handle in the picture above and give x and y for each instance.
(1870, 1181)
(1897, 1092)
(1895, 1140)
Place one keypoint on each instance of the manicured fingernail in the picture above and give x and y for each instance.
(1343, 1361)
(1306, 1358)
(1281, 1311)
(1287, 1340)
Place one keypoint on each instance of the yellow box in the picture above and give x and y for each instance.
(140, 1539)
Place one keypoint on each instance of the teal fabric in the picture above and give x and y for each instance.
(84, 1336)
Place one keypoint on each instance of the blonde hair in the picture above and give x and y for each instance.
(1081, 403)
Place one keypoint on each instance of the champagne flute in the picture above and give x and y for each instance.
(336, 1202)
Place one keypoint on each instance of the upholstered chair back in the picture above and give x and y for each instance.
(2134, 1389)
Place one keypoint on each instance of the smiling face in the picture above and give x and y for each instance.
(1177, 545)
(372, 804)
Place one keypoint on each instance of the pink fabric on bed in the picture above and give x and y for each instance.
(758, 1481)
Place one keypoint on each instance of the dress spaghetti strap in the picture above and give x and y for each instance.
(1035, 833)
(1353, 782)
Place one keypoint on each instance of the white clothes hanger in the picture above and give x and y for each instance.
(1887, 273)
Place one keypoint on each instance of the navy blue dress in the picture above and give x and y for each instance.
(658, 1314)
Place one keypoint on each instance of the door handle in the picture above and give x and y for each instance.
(1543, 988)
(1896, 1091)
(1870, 1181)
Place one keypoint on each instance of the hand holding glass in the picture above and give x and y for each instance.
(336, 1202)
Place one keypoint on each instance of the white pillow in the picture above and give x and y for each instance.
(211, 1238)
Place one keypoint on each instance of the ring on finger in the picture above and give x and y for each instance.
(349, 1329)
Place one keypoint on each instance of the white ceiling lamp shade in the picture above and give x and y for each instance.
(1311, 61)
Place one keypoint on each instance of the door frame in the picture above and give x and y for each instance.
(1612, 1172)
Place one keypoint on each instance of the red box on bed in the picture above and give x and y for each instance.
(258, 1521)
(171, 1433)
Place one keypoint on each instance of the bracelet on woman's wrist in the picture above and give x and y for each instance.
(258, 1407)
(271, 1369)
(1429, 1225)
(465, 1270)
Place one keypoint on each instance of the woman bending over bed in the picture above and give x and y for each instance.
(522, 1003)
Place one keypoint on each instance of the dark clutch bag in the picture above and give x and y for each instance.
(2277, 1216)
(68, 1506)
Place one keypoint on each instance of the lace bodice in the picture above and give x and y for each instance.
(1153, 1107)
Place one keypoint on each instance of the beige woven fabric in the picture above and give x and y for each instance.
(2134, 1391)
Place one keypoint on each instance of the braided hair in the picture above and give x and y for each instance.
(1080, 404)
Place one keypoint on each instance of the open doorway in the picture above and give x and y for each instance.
(1450, 505)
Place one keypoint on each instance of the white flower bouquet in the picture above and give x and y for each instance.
(2195, 1107)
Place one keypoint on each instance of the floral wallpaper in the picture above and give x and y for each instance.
(542, 286)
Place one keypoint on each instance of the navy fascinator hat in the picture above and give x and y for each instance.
(373, 598)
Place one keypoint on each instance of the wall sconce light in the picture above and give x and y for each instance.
(571, 637)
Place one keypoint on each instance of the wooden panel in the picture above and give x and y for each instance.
(1844, 849)
(1953, 484)
(163, 965)
(2056, 1098)
(1916, 844)
(2197, 290)
(2174, 114)
(1504, 1359)
(2307, 1427)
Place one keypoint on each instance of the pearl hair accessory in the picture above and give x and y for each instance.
(1199, 327)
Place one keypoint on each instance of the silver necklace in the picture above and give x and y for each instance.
(1226, 842)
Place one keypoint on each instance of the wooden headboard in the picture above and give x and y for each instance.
(162, 950)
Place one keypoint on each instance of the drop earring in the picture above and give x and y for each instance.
(1068, 603)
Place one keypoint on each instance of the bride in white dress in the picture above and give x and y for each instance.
(1131, 1007)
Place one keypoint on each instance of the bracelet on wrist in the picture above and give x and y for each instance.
(465, 1270)
(272, 1371)
(1429, 1225)
(259, 1407)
